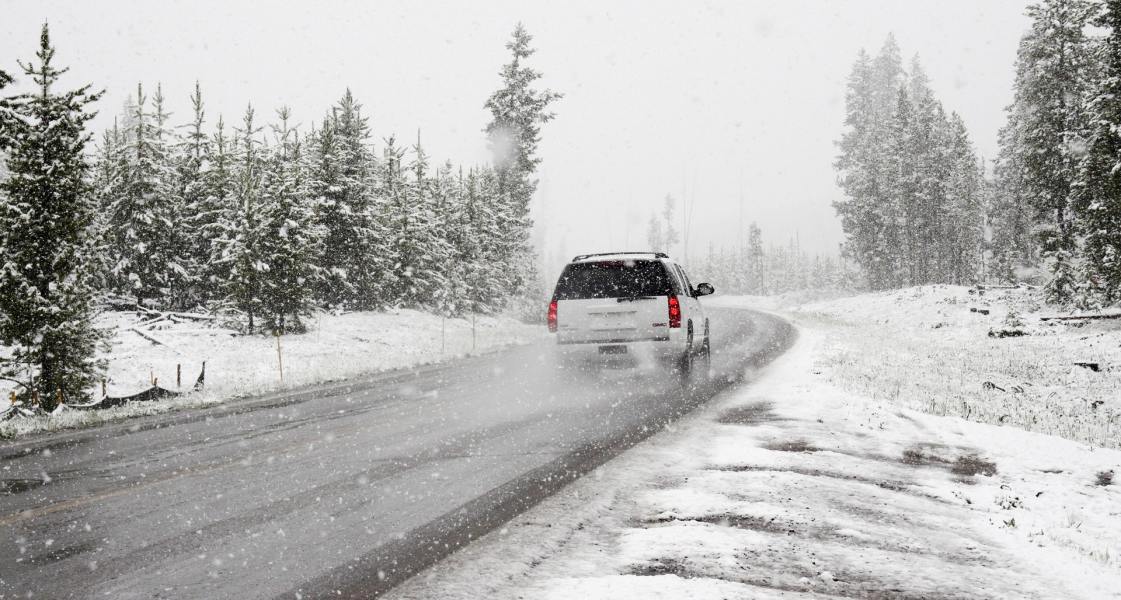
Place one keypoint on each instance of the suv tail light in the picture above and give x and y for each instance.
(553, 316)
(674, 311)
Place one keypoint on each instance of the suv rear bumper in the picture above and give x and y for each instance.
(602, 341)
(666, 347)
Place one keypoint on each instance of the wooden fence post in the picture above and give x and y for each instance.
(279, 358)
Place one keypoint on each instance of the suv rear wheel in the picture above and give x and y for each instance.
(685, 361)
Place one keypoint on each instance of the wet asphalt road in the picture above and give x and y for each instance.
(336, 491)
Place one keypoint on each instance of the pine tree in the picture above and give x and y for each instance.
(143, 209)
(241, 244)
(179, 275)
(517, 112)
(198, 215)
(485, 274)
(670, 232)
(1099, 193)
(8, 119)
(655, 237)
(288, 242)
(868, 210)
(756, 281)
(341, 179)
(425, 198)
(450, 289)
(214, 210)
(928, 151)
(1044, 148)
(105, 173)
(1010, 217)
(47, 300)
(896, 249)
(961, 233)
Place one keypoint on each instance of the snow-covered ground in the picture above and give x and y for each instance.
(804, 484)
(929, 348)
(336, 347)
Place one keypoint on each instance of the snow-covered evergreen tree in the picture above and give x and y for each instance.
(518, 110)
(341, 179)
(1099, 194)
(865, 175)
(756, 281)
(218, 202)
(1043, 140)
(486, 278)
(198, 215)
(242, 255)
(428, 236)
(47, 207)
(143, 211)
(911, 211)
(962, 233)
(289, 240)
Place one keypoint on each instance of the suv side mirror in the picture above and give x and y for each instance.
(703, 289)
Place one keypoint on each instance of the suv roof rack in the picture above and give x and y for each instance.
(583, 256)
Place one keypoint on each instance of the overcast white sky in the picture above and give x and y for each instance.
(719, 99)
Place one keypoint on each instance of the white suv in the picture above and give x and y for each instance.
(629, 302)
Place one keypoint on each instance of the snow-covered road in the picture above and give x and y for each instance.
(792, 488)
(336, 490)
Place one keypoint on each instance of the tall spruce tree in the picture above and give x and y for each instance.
(342, 181)
(47, 299)
(961, 235)
(207, 223)
(518, 110)
(1099, 194)
(198, 215)
(867, 175)
(143, 209)
(1043, 141)
(1010, 218)
(242, 256)
(289, 241)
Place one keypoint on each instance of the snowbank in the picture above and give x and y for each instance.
(336, 347)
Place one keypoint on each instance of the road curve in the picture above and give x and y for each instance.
(342, 490)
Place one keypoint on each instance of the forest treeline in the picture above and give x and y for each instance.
(913, 186)
(755, 268)
(1056, 190)
(272, 222)
(256, 217)
(919, 207)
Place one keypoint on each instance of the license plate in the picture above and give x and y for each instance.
(612, 349)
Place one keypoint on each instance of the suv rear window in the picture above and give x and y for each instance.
(613, 279)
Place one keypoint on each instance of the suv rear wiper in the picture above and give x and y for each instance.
(633, 298)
